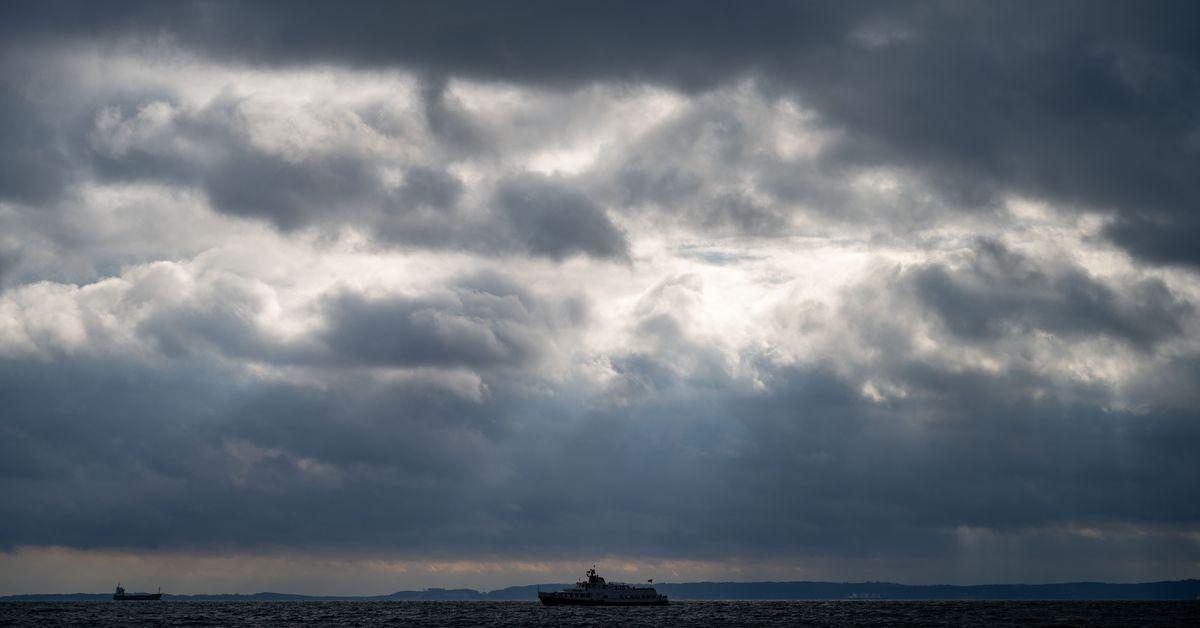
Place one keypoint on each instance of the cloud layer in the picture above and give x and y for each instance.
(789, 284)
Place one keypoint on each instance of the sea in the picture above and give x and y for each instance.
(683, 613)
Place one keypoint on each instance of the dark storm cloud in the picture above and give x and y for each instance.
(533, 214)
(290, 195)
(487, 322)
(1090, 105)
(1001, 292)
(807, 465)
(553, 220)
(479, 321)
(1162, 239)
(453, 127)
(425, 187)
(185, 436)
(33, 166)
(9, 260)
(210, 150)
(545, 42)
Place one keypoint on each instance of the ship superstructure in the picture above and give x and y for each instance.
(595, 591)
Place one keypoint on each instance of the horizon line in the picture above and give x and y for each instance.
(696, 582)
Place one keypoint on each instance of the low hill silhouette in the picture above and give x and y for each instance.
(1165, 590)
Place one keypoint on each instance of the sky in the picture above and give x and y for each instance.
(349, 298)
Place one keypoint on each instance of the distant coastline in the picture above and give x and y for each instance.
(1164, 590)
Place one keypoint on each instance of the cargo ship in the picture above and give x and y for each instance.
(595, 591)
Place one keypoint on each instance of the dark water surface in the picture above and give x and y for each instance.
(817, 613)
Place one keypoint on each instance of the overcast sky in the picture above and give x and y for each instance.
(357, 297)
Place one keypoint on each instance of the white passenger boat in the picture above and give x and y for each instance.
(596, 592)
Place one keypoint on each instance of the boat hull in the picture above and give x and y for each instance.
(550, 599)
(131, 597)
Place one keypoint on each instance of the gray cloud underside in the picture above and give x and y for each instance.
(1093, 107)
(162, 453)
(810, 467)
(1004, 293)
(476, 322)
